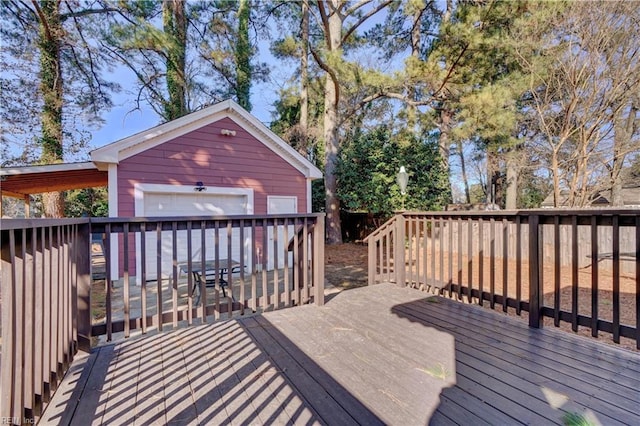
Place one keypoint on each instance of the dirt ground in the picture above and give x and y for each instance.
(346, 265)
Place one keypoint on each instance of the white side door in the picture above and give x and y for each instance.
(280, 204)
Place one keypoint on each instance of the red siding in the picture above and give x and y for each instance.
(204, 155)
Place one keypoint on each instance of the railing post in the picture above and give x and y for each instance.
(398, 248)
(83, 270)
(8, 377)
(318, 254)
(371, 261)
(535, 290)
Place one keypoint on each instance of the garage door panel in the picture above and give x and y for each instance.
(189, 205)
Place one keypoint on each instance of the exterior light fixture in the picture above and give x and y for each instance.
(402, 179)
(227, 132)
(199, 187)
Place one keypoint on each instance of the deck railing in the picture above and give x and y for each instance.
(279, 262)
(577, 267)
(50, 308)
(45, 294)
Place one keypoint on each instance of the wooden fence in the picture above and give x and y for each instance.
(585, 269)
(49, 305)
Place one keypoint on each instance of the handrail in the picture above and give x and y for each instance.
(543, 262)
(45, 309)
(380, 229)
(46, 285)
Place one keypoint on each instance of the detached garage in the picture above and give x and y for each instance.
(217, 161)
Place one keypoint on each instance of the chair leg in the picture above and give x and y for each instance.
(197, 301)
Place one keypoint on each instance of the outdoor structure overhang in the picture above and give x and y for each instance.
(20, 182)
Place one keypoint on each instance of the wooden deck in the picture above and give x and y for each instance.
(374, 355)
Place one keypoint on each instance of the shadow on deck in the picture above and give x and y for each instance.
(373, 355)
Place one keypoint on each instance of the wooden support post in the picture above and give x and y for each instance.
(371, 261)
(535, 290)
(318, 260)
(398, 248)
(82, 251)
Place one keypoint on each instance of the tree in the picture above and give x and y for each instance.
(338, 20)
(243, 56)
(185, 55)
(155, 54)
(67, 68)
(174, 24)
(227, 45)
(369, 164)
(583, 66)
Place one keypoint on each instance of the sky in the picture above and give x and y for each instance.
(121, 121)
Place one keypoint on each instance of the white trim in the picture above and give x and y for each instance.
(140, 142)
(288, 197)
(309, 197)
(112, 191)
(63, 167)
(139, 189)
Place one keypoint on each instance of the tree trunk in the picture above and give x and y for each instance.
(513, 169)
(412, 110)
(494, 184)
(465, 179)
(624, 129)
(243, 57)
(332, 143)
(175, 25)
(52, 95)
(303, 123)
(445, 119)
(555, 172)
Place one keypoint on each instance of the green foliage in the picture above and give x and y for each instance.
(87, 203)
(318, 197)
(477, 194)
(575, 419)
(533, 191)
(243, 56)
(369, 163)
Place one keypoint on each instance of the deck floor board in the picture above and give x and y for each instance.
(375, 355)
(538, 370)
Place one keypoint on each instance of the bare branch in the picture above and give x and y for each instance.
(364, 17)
(355, 7)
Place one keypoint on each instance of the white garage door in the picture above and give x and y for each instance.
(210, 203)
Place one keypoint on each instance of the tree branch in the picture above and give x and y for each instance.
(364, 17)
(325, 21)
(65, 16)
(451, 69)
(355, 7)
(43, 20)
(328, 70)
